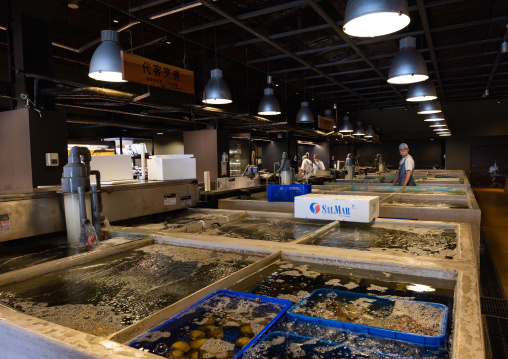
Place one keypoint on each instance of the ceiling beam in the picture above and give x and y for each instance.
(350, 42)
(276, 46)
(190, 41)
(383, 38)
(248, 15)
(497, 60)
(430, 44)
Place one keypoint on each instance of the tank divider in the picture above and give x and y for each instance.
(127, 334)
(78, 259)
(317, 233)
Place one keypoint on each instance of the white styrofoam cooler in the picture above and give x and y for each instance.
(171, 167)
(337, 207)
(112, 167)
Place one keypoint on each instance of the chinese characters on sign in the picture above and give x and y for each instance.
(149, 72)
(325, 123)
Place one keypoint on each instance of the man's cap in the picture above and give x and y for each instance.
(304, 156)
(403, 145)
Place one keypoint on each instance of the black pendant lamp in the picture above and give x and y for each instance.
(434, 117)
(346, 125)
(429, 107)
(304, 114)
(360, 130)
(217, 91)
(421, 91)
(370, 132)
(106, 62)
(269, 105)
(408, 66)
(371, 18)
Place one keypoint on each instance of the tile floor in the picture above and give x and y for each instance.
(494, 206)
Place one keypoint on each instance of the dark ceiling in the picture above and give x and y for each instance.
(300, 43)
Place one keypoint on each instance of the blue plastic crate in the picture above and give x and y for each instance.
(284, 344)
(383, 304)
(287, 192)
(178, 328)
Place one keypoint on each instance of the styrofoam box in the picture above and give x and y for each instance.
(171, 167)
(112, 167)
(337, 207)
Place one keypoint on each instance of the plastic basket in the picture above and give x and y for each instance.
(281, 345)
(178, 328)
(287, 192)
(383, 304)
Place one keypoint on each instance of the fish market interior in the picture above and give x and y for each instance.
(253, 179)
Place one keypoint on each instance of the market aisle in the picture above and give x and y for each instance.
(494, 206)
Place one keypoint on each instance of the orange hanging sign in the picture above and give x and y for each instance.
(149, 72)
(325, 123)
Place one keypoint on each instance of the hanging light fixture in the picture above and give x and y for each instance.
(106, 62)
(437, 124)
(360, 130)
(371, 18)
(304, 114)
(434, 117)
(217, 91)
(328, 114)
(408, 66)
(421, 91)
(370, 132)
(346, 125)
(428, 107)
(73, 4)
(269, 105)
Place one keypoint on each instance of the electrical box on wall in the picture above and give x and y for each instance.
(52, 159)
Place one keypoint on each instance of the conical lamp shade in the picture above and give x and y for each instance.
(360, 130)
(304, 114)
(434, 117)
(371, 18)
(346, 125)
(269, 105)
(217, 90)
(429, 107)
(370, 132)
(421, 91)
(408, 66)
(106, 62)
(437, 124)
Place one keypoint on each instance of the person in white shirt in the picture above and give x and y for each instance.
(306, 167)
(406, 168)
(318, 165)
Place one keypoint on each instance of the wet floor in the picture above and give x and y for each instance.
(295, 281)
(106, 295)
(266, 228)
(392, 238)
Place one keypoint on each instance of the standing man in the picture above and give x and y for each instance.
(318, 165)
(406, 168)
(306, 168)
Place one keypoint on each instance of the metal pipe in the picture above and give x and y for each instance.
(96, 210)
(97, 175)
(82, 214)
